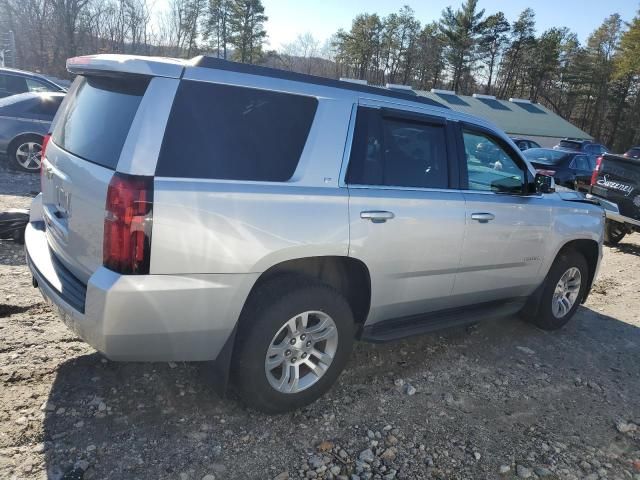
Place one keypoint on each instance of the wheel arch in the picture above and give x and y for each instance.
(348, 275)
(14, 142)
(590, 250)
(20, 136)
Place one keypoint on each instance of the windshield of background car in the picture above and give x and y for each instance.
(570, 144)
(545, 156)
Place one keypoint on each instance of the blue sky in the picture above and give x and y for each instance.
(289, 18)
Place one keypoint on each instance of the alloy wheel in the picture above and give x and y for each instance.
(301, 352)
(566, 292)
(28, 155)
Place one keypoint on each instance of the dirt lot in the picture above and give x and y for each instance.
(497, 400)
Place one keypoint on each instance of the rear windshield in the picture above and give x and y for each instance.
(570, 144)
(545, 156)
(235, 133)
(97, 118)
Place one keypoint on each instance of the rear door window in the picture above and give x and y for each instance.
(235, 133)
(13, 84)
(97, 118)
(396, 151)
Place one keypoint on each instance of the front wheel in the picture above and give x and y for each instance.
(563, 291)
(295, 337)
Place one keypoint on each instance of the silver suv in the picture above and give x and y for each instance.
(207, 210)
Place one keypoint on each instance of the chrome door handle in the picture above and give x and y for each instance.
(482, 217)
(377, 216)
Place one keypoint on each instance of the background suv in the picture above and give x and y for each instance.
(265, 219)
(594, 150)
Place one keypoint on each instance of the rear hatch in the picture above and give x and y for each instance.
(86, 142)
(617, 179)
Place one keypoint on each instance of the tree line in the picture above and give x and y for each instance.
(48, 32)
(595, 85)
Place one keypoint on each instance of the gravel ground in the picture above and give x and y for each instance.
(500, 399)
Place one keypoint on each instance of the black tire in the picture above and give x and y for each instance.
(614, 232)
(544, 318)
(13, 150)
(18, 236)
(266, 311)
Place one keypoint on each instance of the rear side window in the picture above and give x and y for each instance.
(97, 118)
(13, 84)
(235, 133)
(397, 152)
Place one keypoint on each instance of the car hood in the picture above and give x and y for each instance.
(569, 195)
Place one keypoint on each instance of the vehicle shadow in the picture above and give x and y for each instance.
(133, 420)
(629, 248)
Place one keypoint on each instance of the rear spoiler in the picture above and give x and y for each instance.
(126, 64)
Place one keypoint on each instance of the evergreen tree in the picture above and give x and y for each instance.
(460, 31)
(246, 28)
(493, 40)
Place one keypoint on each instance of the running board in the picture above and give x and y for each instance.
(397, 328)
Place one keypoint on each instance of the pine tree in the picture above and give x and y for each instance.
(246, 28)
(460, 31)
(493, 40)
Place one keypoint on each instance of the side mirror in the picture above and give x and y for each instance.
(545, 183)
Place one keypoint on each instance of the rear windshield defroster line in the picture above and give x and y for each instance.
(98, 116)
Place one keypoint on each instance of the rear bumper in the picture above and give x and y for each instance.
(141, 317)
(612, 211)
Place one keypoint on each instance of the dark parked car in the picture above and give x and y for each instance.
(569, 168)
(24, 121)
(616, 185)
(633, 152)
(14, 81)
(594, 150)
(524, 143)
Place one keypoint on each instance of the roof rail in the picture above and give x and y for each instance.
(520, 100)
(443, 92)
(245, 68)
(357, 81)
(398, 86)
(486, 97)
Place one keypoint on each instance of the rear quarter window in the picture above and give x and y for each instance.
(235, 133)
(98, 116)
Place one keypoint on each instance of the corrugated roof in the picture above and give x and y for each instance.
(514, 118)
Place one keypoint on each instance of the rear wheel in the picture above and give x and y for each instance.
(25, 153)
(563, 291)
(614, 232)
(295, 337)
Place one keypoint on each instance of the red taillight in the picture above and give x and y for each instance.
(45, 142)
(594, 175)
(127, 224)
(548, 173)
